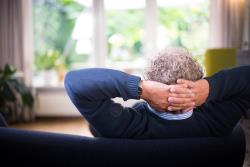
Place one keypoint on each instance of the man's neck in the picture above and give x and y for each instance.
(170, 115)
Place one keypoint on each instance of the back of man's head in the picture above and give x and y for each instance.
(172, 64)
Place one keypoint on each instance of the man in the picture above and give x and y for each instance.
(220, 100)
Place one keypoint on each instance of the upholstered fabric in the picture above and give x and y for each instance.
(30, 148)
(218, 59)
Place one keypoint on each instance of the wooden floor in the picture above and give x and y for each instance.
(75, 126)
(78, 126)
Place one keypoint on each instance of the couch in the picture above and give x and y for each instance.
(218, 59)
(34, 148)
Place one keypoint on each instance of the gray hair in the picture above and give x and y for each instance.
(173, 64)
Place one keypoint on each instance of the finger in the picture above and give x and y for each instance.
(175, 100)
(171, 108)
(187, 109)
(163, 108)
(183, 106)
(166, 109)
(183, 85)
(187, 82)
(180, 90)
(188, 95)
(182, 81)
(159, 107)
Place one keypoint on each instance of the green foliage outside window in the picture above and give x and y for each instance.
(187, 27)
(48, 60)
(53, 25)
(54, 21)
(128, 25)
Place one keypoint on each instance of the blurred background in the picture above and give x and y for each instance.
(40, 40)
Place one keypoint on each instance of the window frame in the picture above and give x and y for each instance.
(99, 52)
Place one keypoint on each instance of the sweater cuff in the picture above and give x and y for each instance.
(132, 85)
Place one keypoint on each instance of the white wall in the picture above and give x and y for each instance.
(55, 102)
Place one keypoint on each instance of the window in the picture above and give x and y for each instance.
(60, 41)
(122, 34)
(185, 24)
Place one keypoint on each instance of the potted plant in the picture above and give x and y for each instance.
(50, 63)
(13, 93)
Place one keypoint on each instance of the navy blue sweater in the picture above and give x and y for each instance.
(91, 91)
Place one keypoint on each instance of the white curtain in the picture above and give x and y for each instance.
(226, 23)
(246, 33)
(16, 42)
(11, 27)
(16, 45)
(28, 42)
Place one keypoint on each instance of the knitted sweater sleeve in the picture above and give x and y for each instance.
(91, 91)
(229, 99)
(230, 83)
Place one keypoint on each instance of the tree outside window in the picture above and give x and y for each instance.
(63, 32)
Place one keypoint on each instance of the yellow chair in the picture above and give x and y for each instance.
(218, 59)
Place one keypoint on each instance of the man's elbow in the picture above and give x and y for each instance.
(69, 84)
(67, 80)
